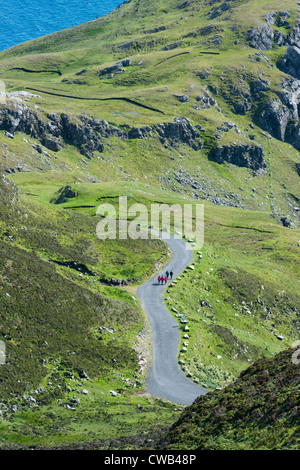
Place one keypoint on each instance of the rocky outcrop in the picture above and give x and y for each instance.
(279, 115)
(105, 129)
(84, 132)
(80, 135)
(279, 18)
(182, 98)
(63, 194)
(172, 46)
(20, 118)
(242, 155)
(157, 30)
(217, 11)
(228, 126)
(291, 39)
(290, 96)
(52, 143)
(82, 268)
(261, 37)
(117, 67)
(292, 134)
(286, 221)
(258, 86)
(181, 131)
(243, 105)
(139, 132)
(290, 63)
(273, 118)
(206, 101)
(265, 36)
(87, 133)
(294, 36)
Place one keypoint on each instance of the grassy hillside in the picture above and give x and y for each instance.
(241, 299)
(161, 102)
(259, 411)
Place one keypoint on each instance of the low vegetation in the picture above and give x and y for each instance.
(259, 411)
(176, 102)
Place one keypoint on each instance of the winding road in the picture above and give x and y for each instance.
(165, 379)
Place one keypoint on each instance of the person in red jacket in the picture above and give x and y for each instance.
(166, 279)
(159, 279)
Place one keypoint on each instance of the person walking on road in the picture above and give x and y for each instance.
(159, 279)
(171, 274)
(167, 274)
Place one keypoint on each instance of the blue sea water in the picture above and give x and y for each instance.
(22, 20)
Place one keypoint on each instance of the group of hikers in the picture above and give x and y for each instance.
(164, 279)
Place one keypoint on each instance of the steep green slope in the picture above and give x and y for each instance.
(71, 335)
(260, 410)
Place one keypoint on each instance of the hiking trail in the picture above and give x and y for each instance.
(165, 379)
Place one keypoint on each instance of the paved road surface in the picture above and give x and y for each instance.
(165, 379)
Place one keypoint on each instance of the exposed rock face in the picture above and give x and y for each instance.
(290, 96)
(249, 156)
(62, 194)
(52, 143)
(82, 136)
(292, 134)
(243, 106)
(290, 64)
(102, 127)
(279, 18)
(139, 132)
(20, 118)
(77, 266)
(206, 101)
(181, 131)
(227, 126)
(294, 36)
(261, 37)
(206, 30)
(292, 39)
(217, 11)
(183, 98)
(172, 46)
(84, 132)
(117, 67)
(286, 221)
(274, 118)
(280, 116)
